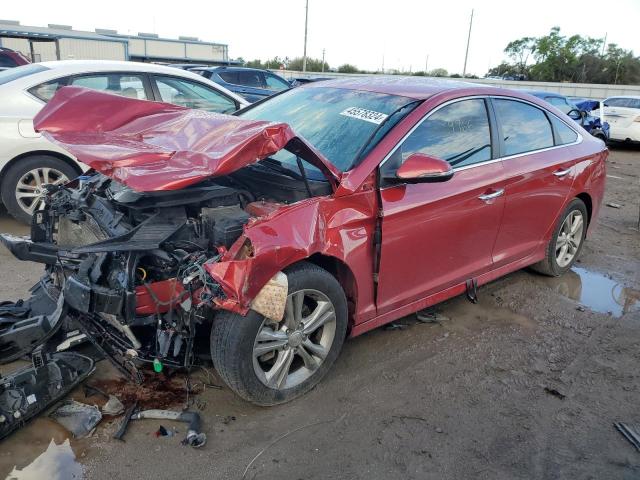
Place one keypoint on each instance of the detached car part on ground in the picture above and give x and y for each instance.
(190, 240)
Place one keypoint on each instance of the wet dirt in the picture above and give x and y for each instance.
(596, 291)
(522, 385)
(158, 391)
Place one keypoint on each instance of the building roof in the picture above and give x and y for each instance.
(52, 33)
(9, 28)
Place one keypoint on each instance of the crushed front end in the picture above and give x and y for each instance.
(125, 261)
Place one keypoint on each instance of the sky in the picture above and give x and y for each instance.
(361, 32)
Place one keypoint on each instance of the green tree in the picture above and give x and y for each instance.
(313, 65)
(347, 68)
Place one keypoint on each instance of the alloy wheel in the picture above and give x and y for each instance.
(287, 353)
(30, 189)
(569, 238)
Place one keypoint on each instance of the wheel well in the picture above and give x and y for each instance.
(49, 153)
(343, 274)
(588, 203)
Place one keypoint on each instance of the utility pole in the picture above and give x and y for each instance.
(604, 44)
(426, 65)
(306, 20)
(383, 63)
(466, 54)
(323, 60)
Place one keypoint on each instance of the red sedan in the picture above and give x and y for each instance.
(320, 213)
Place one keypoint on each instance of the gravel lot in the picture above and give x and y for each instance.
(467, 397)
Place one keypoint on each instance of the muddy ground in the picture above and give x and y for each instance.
(526, 384)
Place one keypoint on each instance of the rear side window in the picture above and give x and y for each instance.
(125, 85)
(524, 127)
(622, 102)
(230, 77)
(251, 79)
(564, 134)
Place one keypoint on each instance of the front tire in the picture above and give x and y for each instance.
(268, 363)
(22, 184)
(566, 242)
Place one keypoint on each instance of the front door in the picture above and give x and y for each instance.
(435, 235)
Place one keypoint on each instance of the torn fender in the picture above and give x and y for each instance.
(151, 146)
(339, 228)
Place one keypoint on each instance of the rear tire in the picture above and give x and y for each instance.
(566, 242)
(305, 354)
(22, 183)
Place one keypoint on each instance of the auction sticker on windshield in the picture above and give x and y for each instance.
(364, 114)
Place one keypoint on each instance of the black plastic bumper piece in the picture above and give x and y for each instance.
(29, 391)
(24, 249)
(25, 325)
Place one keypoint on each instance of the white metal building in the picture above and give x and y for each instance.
(61, 42)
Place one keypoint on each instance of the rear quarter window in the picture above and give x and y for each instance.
(564, 134)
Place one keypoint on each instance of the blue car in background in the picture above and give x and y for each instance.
(252, 84)
(580, 112)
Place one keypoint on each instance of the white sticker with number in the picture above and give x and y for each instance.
(364, 114)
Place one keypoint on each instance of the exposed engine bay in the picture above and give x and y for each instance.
(129, 264)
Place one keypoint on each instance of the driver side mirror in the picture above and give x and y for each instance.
(421, 168)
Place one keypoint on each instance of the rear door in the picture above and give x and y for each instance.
(539, 174)
(435, 235)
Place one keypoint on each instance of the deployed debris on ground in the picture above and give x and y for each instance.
(79, 418)
(28, 391)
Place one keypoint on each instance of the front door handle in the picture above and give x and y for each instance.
(561, 173)
(490, 196)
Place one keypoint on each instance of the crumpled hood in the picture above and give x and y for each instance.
(152, 146)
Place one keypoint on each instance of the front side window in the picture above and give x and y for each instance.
(524, 127)
(125, 85)
(564, 134)
(193, 95)
(458, 133)
(275, 83)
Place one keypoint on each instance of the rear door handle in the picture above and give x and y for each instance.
(561, 173)
(490, 196)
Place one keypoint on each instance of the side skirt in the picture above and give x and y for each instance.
(443, 295)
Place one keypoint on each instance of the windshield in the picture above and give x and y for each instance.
(338, 122)
(7, 76)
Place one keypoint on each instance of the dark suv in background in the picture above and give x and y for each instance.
(250, 83)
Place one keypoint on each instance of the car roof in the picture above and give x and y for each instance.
(60, 68)
(636, 97)
(224, 67)
(544, 93)
(418, 88)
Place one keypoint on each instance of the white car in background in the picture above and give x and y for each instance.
(28, 161)
(623, 115)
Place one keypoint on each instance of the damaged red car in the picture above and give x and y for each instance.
(263, 240)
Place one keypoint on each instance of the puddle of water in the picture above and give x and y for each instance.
(57, 462)
(596, 292)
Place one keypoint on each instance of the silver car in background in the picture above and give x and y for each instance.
(28, 161)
